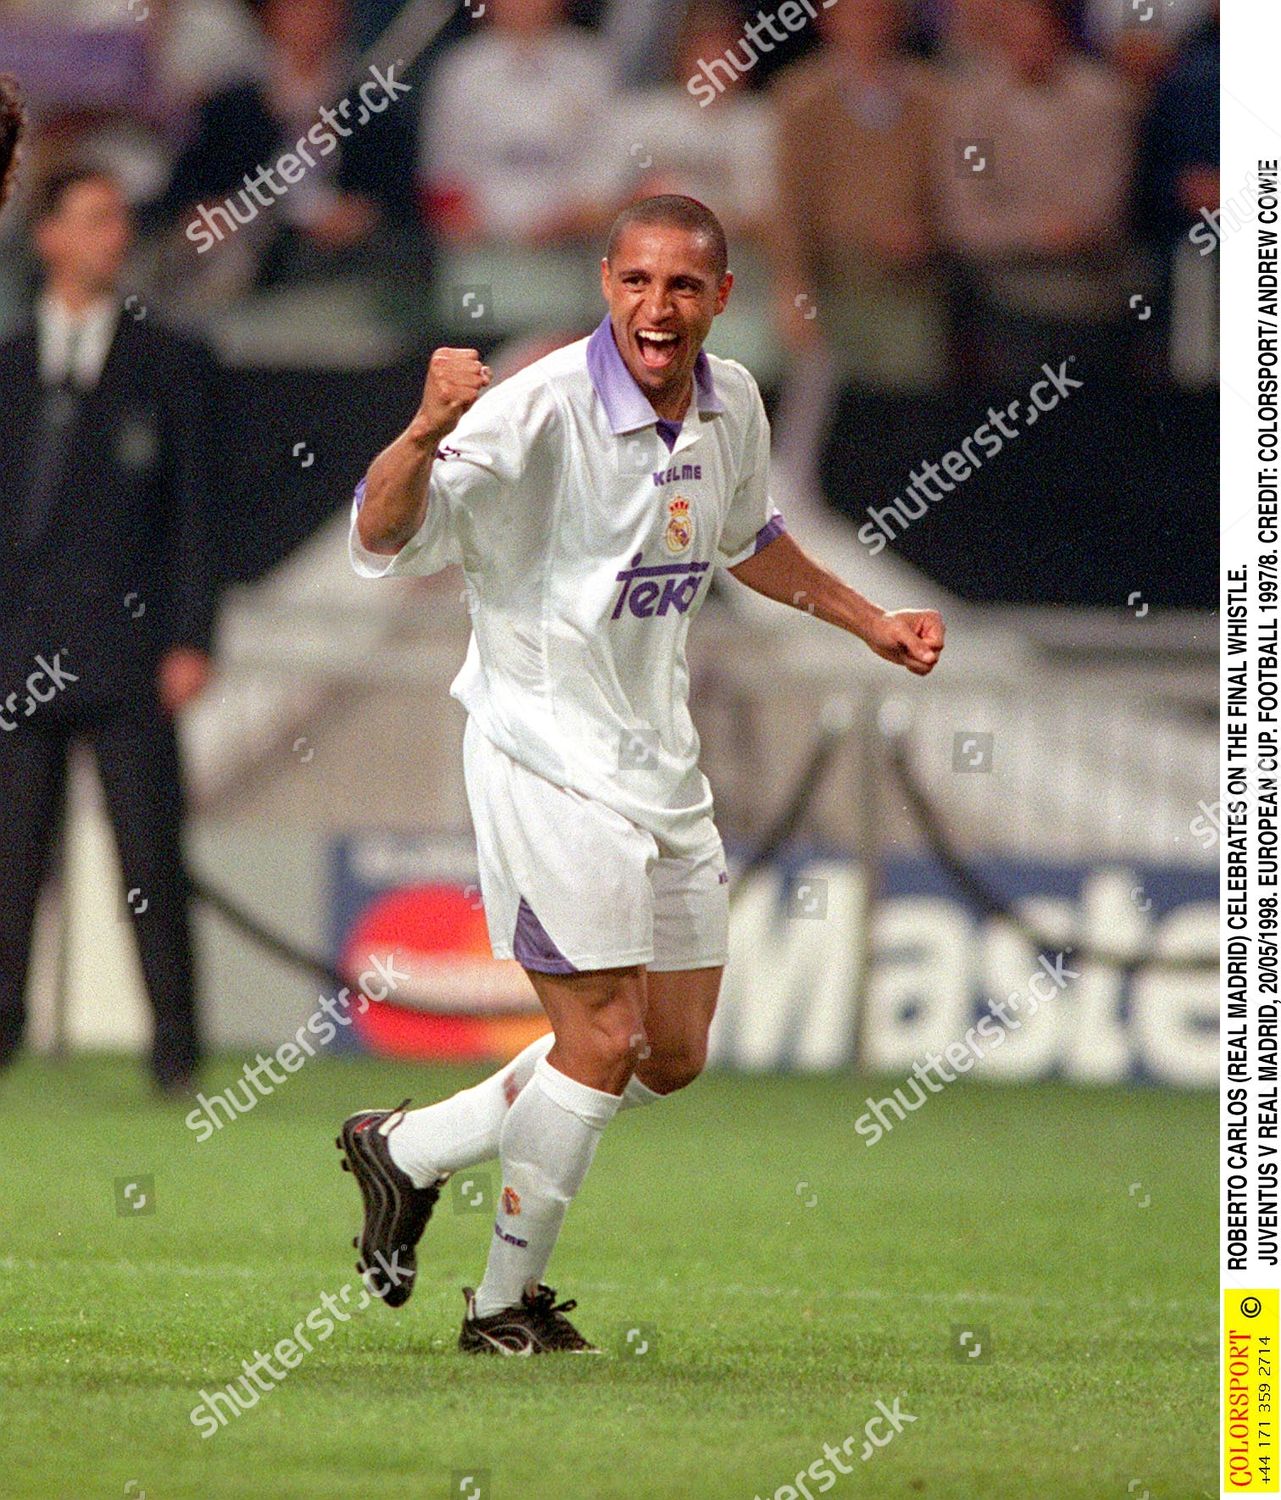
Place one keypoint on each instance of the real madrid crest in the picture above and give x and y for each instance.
(680, 525)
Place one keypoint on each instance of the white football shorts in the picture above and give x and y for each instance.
(570, 885)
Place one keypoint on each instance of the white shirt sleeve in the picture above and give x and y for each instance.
(432, 547)
(752, 521)
(484, 465)
(486, 461)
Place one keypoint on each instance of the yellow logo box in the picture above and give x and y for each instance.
(1250, 1334)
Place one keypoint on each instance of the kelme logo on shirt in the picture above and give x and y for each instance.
(677, 472)
(655, 590)
(680, 525)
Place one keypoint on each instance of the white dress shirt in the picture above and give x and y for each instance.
(83, 339)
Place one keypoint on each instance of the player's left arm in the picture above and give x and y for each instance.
(782, 570)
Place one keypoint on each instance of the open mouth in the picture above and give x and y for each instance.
(658, 349)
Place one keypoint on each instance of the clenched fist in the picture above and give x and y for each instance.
(911, 638)
(455, 378)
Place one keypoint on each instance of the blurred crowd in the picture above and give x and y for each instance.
(929, 188)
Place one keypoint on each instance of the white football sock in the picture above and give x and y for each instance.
(463, 1130)
(548, 1141)
(637, 1094)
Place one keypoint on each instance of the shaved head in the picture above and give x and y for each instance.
(673, 211)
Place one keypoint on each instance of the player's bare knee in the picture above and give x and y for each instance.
(612, 1038)
(596, 1042)
(668, 1071)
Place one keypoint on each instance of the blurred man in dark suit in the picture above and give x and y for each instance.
(106, 591)
(12, 121)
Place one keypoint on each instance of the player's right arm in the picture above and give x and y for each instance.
(395, 501)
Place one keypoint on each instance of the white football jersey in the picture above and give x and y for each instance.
(588, 546)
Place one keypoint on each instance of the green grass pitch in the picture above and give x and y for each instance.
(784, 1276)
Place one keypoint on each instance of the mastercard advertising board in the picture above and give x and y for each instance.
(408, 909)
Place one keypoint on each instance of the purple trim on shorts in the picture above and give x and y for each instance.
(533, 947)
(770, 532)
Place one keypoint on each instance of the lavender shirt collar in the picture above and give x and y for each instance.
(626, 405)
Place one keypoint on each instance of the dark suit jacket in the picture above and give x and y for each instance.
(126, 567)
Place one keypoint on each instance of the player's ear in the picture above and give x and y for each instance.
(604, 276)
(723, 291)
